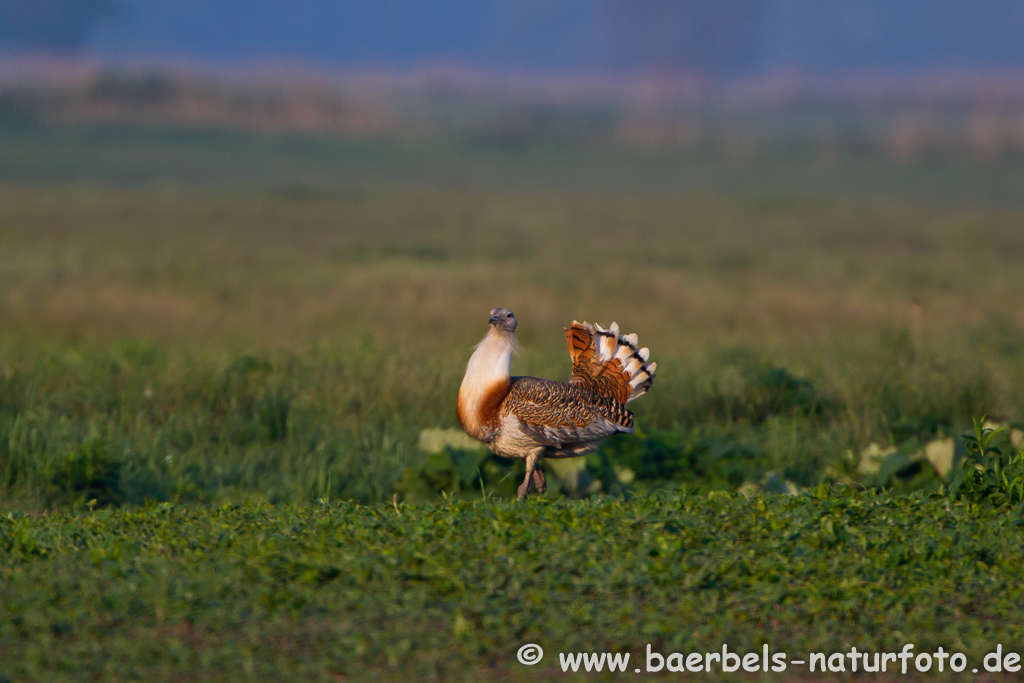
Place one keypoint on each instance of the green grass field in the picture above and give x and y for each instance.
(451, 591)
(219, 351)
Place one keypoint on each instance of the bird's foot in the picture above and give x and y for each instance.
(531, 474)
(540, 480)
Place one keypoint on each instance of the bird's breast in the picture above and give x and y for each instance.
(479, 407)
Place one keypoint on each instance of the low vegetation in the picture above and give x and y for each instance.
(451, 591)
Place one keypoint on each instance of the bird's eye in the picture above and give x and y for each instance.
(508, 315)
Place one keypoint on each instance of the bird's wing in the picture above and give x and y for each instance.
(563, 415)
(607, 363)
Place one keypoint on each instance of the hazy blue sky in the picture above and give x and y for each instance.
(717, 36)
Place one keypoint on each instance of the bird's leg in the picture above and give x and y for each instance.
(531, 467)
(540, 480)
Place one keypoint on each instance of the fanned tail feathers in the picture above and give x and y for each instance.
(608, 363)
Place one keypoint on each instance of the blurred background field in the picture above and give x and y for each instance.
(218, 312)
(220, 280)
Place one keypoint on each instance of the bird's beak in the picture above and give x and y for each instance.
(495, 320)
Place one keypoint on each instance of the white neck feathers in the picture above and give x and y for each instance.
(488, 372)
(492, 359)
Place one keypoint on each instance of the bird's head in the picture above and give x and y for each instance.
(503, 320)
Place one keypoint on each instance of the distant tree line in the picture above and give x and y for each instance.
(703, 35)
(717, 37)
(60, 26)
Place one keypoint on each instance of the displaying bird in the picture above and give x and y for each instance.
(531, 418)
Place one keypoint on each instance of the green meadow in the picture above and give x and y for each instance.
(229, 361)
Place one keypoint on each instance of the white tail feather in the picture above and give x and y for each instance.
(623, 348)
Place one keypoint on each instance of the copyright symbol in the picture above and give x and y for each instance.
(530, 654)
